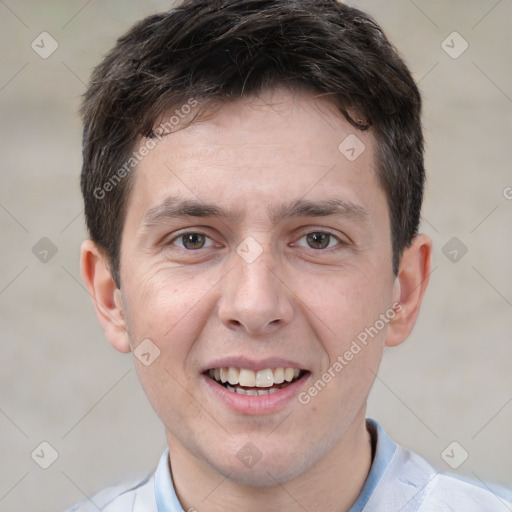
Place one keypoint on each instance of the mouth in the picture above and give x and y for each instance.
(244, 381)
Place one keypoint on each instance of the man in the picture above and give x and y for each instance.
(253, 178)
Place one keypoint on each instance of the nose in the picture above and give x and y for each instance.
(255, 298)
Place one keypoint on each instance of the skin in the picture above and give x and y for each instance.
(293, 301)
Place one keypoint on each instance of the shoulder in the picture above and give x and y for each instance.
(449, 490)
(405, 481)
(434, 491)
(138, 496)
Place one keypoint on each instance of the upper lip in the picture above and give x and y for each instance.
(252, 364)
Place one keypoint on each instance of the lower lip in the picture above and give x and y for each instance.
(256, 404)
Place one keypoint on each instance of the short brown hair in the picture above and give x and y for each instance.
(219, 50)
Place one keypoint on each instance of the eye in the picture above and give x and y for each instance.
(319, 240)
(192, 241)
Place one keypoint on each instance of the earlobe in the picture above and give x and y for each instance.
(409, 288)
(105, 294)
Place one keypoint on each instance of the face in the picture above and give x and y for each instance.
(257, 253)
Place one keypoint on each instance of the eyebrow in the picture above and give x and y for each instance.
(322, 208)
(174, 207)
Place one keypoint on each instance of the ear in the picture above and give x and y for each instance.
(409, 288)
(105, 295)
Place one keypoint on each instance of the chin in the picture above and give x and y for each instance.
(263, 470)
(266, 475)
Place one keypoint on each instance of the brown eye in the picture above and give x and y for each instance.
(318, 240)
(193, 241)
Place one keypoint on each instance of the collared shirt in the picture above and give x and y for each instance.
(399, 480)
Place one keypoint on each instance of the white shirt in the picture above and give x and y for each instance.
(399, 481)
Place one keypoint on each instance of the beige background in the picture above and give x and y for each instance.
(61, 382)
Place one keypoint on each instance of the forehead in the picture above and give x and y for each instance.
(271, 149)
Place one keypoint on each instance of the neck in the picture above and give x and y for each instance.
(332, 484)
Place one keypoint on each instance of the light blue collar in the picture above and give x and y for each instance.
(166, 499)
(384, 451)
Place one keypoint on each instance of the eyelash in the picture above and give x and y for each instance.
(180, 236)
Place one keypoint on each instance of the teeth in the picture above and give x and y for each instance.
(265, 378)
(288, 374)
(279, 375)
(233, 374)
(248, 378)
(251, 392)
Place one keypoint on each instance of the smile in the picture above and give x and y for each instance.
(248, 382)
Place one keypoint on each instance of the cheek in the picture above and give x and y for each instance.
(170, 308)
(346, 309)
(343, 303)
(164, 302)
